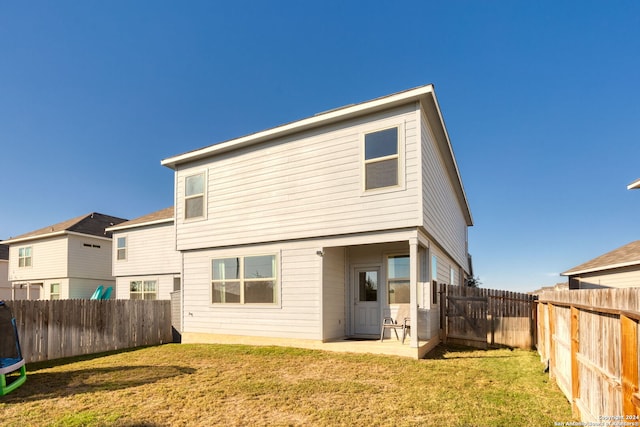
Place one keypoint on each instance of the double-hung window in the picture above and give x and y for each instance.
(143, 289)
(24, 257)
(381, 159)
(398, 279)
(121, 249)
(194, 196)
(244, 280)
(55, 291)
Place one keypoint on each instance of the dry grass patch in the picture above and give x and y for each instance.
(186, 385)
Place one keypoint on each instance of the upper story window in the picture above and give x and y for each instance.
(194, 196)
(381, 159)
(244, 280)
(121, 248)
(24, 257)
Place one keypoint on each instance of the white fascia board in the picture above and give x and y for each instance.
(38, 237)
(304, 124)
(635, 185)
(49, 235)
(140, 224)
(601, 268)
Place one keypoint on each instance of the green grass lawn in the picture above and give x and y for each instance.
(203, 385)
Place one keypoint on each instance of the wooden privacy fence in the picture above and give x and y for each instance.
(488, 317)
(63, 328)
(589, 338)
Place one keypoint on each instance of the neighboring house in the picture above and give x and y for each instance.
(315, 229)
(619, 268)
(5, 286)
(146, 264)
(62, 261)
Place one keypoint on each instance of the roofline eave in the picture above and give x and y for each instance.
(601, 268)
(320, 119)
(140, 224)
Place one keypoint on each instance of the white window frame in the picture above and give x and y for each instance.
(143, 292)
(193, 196)
(51, 293)
(123, 249)
(242, 280)
(389, 278)
(399, 156)
(22, 259)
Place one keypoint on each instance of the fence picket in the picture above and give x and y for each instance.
(598, 372)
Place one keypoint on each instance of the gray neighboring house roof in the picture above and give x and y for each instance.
(158, 217)
(624, 256)
(93, 224)
(4, 252)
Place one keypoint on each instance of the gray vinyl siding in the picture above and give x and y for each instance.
(626, 277)
(89, 262)
(442, 213)
(295, 315)
(84, 288)
(151, 250)
(303, 186)
(5, 286)
(333, 293)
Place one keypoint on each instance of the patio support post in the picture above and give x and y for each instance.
(413, 290)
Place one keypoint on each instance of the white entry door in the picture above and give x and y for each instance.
(367, 301)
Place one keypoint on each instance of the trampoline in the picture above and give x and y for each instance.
(12, 370)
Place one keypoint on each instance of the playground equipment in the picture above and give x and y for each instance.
(12, 370)
(98, 292)
(101, 293)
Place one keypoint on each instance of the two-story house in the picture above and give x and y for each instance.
(63, 261)
(315, 229)
(146, 264)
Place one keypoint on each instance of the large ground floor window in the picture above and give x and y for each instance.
(244, 280)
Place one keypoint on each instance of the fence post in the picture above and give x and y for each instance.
(552, 345)
(575, 349)
(629, 362)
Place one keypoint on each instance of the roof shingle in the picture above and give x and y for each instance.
(92, 224)
(628, 254)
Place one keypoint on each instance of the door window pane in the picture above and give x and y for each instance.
(368, 285)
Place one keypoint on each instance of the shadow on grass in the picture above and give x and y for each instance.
(34, 366)
(48, 385)
(451, 352)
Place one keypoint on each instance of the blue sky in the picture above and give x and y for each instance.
(541, 101)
